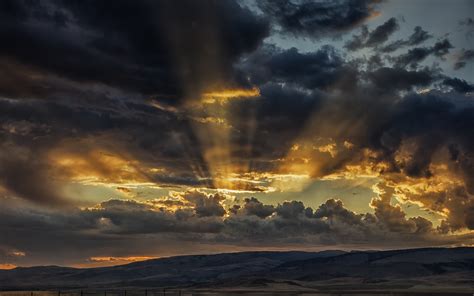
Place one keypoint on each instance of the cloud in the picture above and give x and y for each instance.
(316, 69)
(148, 95)
(131, 217)
(463, 58)
(459, 85)
(393, 217)
(9, 257)
(122, 227)
(334, 210)
(25, 174)
(318, 19)
(389, 79)
(468, 25)
(292, 210)
(374, 38)
(205, 205)
(117, 53)
(418, 54)
(253, 207)
(119, 221)
(419, 36)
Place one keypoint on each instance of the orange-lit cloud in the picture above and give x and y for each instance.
(18, 254)
(102, 261)
(89, 161)
(222, 96)
(7, 266)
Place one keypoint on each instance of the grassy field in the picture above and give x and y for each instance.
(135, 292)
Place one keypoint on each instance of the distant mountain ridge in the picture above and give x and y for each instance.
(397, 269)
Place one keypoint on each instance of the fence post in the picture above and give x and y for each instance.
(124, 292)
(105, 292)
(59, 292)
(82, 293)
(146, 292)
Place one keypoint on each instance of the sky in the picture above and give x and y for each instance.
(142, 129)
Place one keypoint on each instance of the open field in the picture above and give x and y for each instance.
(429, 271)
(223, 293)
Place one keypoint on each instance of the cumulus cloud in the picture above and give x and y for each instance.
(330, 224)
(205, 205)
(201, 218)
(253, 207)
(393, 217)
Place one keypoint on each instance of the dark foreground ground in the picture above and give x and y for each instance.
(432, 271)
(242, 293)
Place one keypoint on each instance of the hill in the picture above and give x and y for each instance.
(415, 269)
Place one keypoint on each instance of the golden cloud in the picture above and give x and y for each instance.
(7, 266)
(222, 96)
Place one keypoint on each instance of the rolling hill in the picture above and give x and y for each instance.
(419, 269)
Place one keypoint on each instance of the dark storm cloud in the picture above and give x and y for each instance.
(334, 209)
(26, 178)
(253, 206)
(431, 122)
(419, 36)
(205, 205)
(84, 79)
(293, 209)
(434, 121)
(374, 38)
(288, 104)
(459, 85)
(416, 55)
(124, 222)
(317, 19)
(96, 66)
(385, 118)
(32, 129)
(312, 70)
(464, 57)
(389, 79)
(382, 33)
(121, 216)
(330, 223)
(292, 86)
(393, 217)
(146, 46)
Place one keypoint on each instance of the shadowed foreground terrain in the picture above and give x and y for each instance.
(415, 270)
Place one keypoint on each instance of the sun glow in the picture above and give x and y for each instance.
(102, 261)
(213, 123)
(6, 266)
(225, 95)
